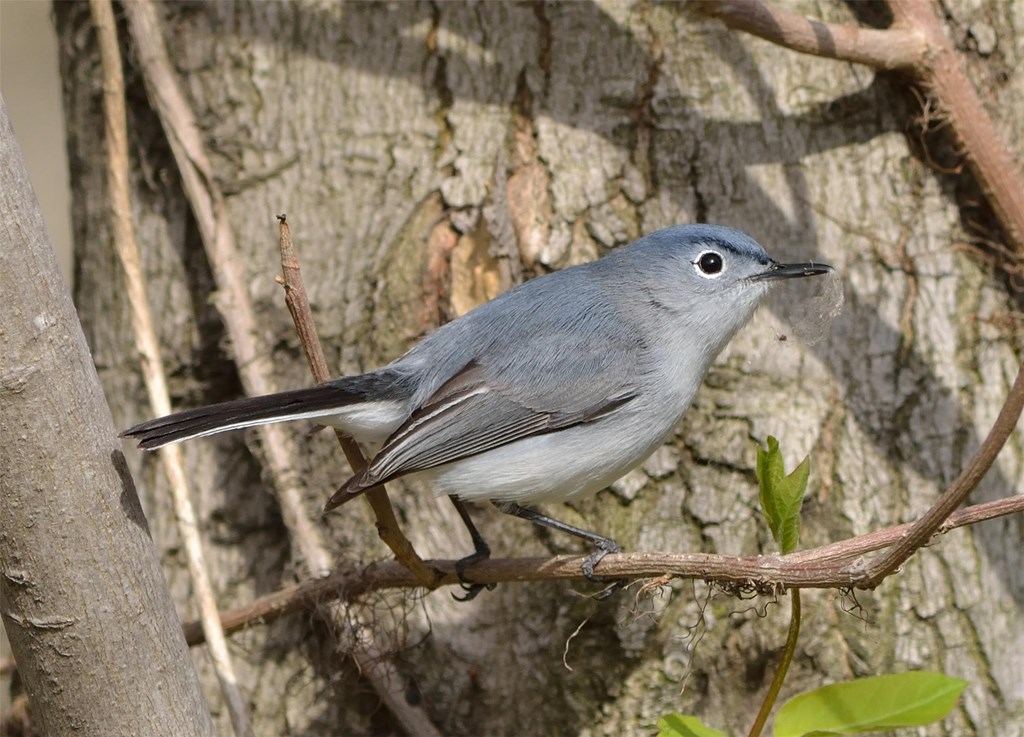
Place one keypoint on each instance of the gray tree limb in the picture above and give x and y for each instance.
(90, 620)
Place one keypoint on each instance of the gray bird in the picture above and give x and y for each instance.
(551, 391)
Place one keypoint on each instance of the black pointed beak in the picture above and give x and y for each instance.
(791, 271)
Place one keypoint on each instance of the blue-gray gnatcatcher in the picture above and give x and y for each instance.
(548, 392)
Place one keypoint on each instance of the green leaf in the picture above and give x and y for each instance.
(870, 705)
(680, 725)
(781, 495)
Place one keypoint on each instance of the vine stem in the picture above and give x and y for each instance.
(780, 674)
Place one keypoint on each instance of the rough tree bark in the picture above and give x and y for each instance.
(83, 600)
(431, 155)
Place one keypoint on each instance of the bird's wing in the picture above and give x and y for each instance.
(466, 417)
(470, 415)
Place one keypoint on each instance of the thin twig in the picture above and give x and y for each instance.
(816, 568)
(298, 305)
(844, 550)
(252, 356)
(116, 134)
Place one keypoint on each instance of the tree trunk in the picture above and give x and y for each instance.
(429, 156)
(90, 620)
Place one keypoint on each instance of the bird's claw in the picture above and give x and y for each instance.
(601, 549)
(472, 589)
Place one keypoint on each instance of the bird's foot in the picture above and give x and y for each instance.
(471, 589)
(602, 547)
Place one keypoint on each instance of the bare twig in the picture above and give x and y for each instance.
(252, 356)
(116, 134)
(917, 44)
(821, 567)
(302, 316)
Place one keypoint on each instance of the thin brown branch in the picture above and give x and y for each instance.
(896, 48)
(252, 356)
(116, 135)
(844, 550)
(954, 496)
(298, 305)
(916, 43)
(941, 72)
(821, 567)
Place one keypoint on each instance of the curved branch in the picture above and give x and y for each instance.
(818, 568)
(933, 519)
(916, 43)
(942, 74)
(896, 48)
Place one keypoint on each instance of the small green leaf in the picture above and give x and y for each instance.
(680, 725)
(870, 705)
(781, 495)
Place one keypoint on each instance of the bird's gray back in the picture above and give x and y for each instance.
(557, 342)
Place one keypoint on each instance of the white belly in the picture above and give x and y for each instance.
(548, 468)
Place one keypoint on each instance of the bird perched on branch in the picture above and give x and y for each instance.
(550, 391)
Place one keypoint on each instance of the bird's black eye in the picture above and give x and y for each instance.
(710, 263)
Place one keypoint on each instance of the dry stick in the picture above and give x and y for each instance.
(116, 134)
(252, 357)
(917, 44)
(298, 305)
(821, 567)
(387, 526)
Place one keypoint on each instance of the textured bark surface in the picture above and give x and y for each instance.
(90, 621)
(429, 156)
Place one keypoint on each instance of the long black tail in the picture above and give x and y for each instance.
(316, 401)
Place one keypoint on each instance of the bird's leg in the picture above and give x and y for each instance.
(481, 551)
(602, 545)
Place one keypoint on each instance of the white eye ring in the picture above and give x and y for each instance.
(709, 264)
